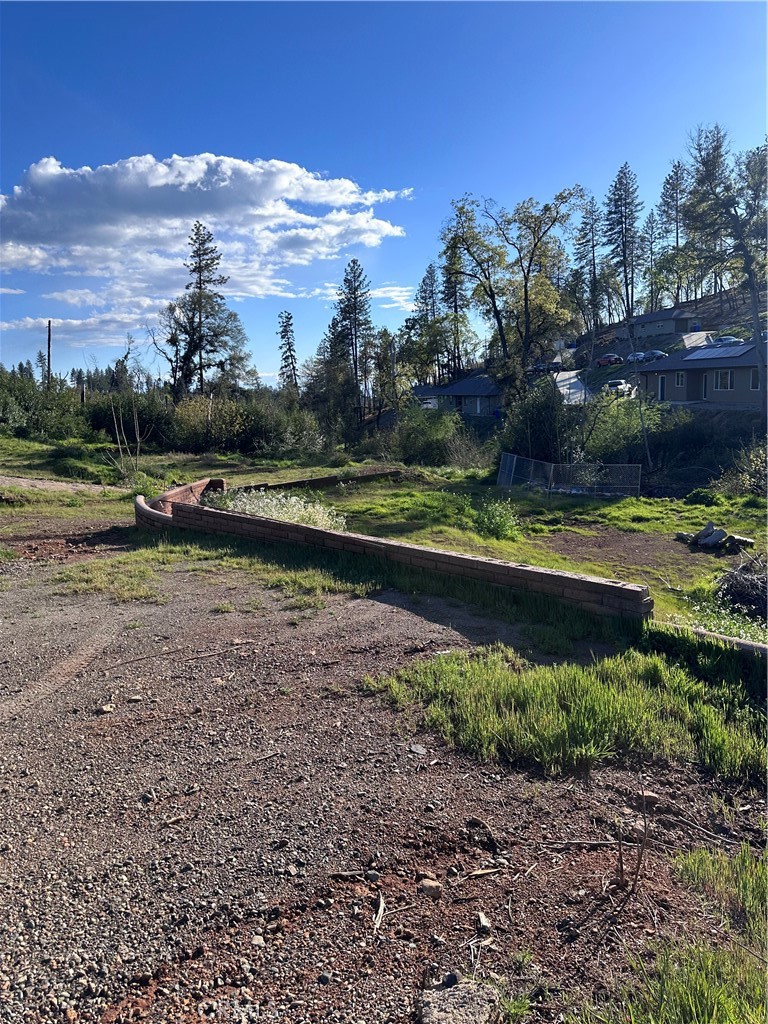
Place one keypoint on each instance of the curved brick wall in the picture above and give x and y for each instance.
(180, 508)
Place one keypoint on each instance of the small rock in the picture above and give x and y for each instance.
(422, 873)
(482, 923)
(105, 709)
(648, 797)
(372, 876)
(416, 748)
(257, 940)
(432, 888)
(324, 979)
(135, 698)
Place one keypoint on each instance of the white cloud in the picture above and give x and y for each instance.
(120, 230)
(76, 297)
(395, 296)
(102, 330)
(12, 291)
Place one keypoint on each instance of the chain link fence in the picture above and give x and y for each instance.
(591, 478)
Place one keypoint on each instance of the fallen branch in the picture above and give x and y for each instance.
(379, 913)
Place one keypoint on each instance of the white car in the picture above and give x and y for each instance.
(618, 387)
(635, 357)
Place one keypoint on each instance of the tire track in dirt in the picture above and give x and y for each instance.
(57, 676)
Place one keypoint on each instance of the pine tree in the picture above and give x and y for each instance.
(288, 375)
(203, 265)
(621, 233)
(354, 325)
(586, 251)
(670, 212)
(455, 300)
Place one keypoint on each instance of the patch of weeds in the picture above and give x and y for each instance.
(6, 555)
(224, 608)
(286, 506)
(695, 984)
(521, 959)
(514, 1009)
(548, 639)
(735, 885)
(135, 624)
(254, 604)
(123, 579)
(705, 609)
(702, 496)
(304, 602)
(571, 717)
(497, 518)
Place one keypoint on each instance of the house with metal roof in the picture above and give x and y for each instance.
(664, 323)
(710, 376)
(476, 394)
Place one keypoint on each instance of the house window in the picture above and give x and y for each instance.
(754, 380)
(724, 380)
(680, 379)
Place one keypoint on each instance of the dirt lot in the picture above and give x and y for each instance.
(206, 815)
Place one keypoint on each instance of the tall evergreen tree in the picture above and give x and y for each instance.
(621, 233)
(649, 244)
(288, 375)
(726, 205)
(354, 324)
(586, 251)
(203, 265)
(455, 300)
(670, 214)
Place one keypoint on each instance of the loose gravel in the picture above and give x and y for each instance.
(205, 816)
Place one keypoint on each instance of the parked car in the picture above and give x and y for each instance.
(655, 353)
(609, 359)
(618, 387)
(727, 339)
(635, 357)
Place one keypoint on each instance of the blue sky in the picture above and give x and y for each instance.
(303, 134)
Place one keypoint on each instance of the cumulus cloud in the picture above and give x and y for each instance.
(12, 291)
(270, 206)
(114, 237)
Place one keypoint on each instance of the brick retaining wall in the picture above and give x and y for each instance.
(180, 508)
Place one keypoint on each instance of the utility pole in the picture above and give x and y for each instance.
(48, 369)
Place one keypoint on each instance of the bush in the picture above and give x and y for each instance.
(701, 496)
(747, 475)
(422, 436)
(285, 506)
(497, 518)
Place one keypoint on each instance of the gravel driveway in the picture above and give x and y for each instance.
(205, 815)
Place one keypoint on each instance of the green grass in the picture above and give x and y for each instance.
(692, 983)
(569, 716)
(34, 503)
(433, 511)
(123, 578)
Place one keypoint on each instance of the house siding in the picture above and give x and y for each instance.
(741, 396)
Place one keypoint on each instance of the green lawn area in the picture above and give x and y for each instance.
(450, 509)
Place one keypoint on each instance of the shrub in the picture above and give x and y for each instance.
(701, 496)
(282, 505)
(497, 518)
(747, 475)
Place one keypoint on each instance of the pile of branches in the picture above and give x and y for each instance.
(745, 587)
